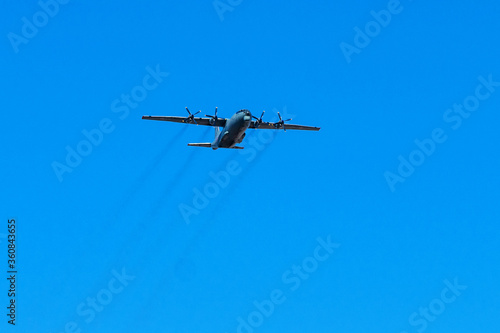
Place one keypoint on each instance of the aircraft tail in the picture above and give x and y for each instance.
(217, 132)
(209, 145)
(203, 144)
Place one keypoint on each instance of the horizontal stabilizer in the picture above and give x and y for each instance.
(209, 145)
(204, 144)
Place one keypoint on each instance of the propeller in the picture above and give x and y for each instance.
(281, 123)
(213, 118)
(190, 118)
(259, 120)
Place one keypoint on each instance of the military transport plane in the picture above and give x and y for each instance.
(233, 129)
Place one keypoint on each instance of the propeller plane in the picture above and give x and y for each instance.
(233, 129)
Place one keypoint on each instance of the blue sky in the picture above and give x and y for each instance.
(386, 220)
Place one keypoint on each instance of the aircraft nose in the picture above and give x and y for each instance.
(248, 116)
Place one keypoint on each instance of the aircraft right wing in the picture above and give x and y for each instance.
(266, 125)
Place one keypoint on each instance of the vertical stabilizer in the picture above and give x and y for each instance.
(216, 138)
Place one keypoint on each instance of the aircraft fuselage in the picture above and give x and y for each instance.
(234, 131)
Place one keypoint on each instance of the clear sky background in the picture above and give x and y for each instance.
(106, 248)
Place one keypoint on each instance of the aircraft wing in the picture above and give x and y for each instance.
(268, 125)
(220, 122)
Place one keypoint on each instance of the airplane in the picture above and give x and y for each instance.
(233, 129)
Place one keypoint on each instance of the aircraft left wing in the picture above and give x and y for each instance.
(278, 125)
(219, 122)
